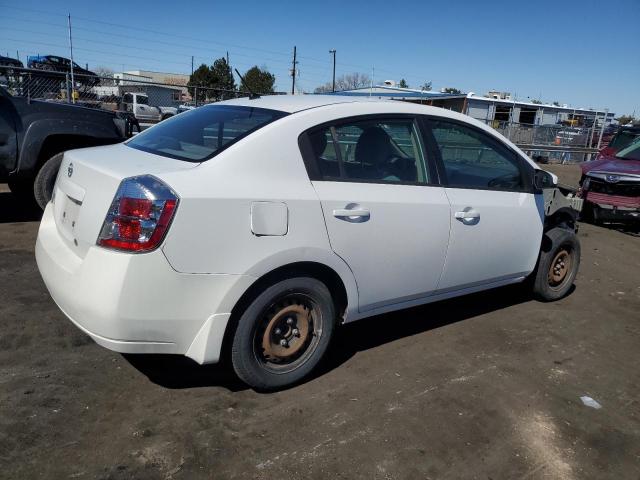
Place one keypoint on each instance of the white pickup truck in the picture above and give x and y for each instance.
(138, 104)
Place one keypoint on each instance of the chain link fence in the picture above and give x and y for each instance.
(553, 143)
(118, 92)
(150, 102)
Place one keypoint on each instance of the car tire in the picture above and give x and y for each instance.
(46, 179)
(284, 333)
(558, 264)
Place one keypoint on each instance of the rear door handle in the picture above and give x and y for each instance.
(352, 213)
(468, 215)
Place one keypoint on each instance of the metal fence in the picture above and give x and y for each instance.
(545, 143)
(105, 92)
(553, 143)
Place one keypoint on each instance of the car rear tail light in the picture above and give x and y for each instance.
(139, 215)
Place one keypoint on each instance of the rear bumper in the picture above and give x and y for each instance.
(137, 303)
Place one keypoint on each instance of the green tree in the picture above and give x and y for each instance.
(214, 82)
(223, 79)
(536, 101)
(259, 80)
(426, 86)
(403, 84)
(556, 103)
(451, 90)
(626, 119)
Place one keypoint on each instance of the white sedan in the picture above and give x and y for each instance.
(253, 227)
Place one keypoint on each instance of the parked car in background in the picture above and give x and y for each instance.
(256, 226)
(34, 133)
(185, 107)
(10, 62)
(622, 138)
(53, 63)
(138, 104)
(610, 186)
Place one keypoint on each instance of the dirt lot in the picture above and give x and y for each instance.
(483, 387)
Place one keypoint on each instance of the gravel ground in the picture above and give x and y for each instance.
(486, 387)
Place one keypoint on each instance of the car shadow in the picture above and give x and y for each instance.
(12, 209)
(178, 372)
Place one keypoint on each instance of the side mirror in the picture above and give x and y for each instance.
(542, 180)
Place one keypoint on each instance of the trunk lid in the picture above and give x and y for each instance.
(87, 182)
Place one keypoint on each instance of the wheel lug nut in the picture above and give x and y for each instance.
(284, 343)
(296, 332)
(278, 331)
(289, 321)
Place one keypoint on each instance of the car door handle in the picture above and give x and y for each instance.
(468, 216)
(361, 213)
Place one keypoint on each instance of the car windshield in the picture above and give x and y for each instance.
(198, 135)
(623, 138)
(632, 152)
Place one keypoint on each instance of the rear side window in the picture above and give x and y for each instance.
(200, 134)
(472, 159)
(373, 150)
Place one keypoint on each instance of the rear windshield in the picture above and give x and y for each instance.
(200, 134)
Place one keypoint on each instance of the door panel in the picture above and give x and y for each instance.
(494, 235)
(497, 222)
(396, 241)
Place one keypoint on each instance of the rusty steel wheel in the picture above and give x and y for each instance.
(560, 266)
(557, 266)
(287, 332)
(284, 333)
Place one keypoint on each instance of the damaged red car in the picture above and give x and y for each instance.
(610, 186)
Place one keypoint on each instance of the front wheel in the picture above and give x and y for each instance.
(557, 265)
(284, 333)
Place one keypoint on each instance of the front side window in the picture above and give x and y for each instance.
(199, 134)
(472, 159)
(142, 100)
(372, 150)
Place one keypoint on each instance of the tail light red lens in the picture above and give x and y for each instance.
(139, 216)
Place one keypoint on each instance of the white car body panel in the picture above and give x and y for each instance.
(502, 242)
(408, 265)
(253, 209)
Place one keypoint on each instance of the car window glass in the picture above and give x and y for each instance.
(197, 135)
(631, 152)
(370, 150)
(142, 100)
(472, 159)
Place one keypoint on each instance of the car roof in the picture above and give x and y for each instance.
(296, 103)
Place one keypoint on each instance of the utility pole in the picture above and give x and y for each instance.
(293, 72)
(73, 85)
(333, 88)
(192, 65)
(227, 57)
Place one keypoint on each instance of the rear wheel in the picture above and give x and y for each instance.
(284, 333)
(46, 179)
(557, 265)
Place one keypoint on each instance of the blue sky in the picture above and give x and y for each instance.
(584, 53)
